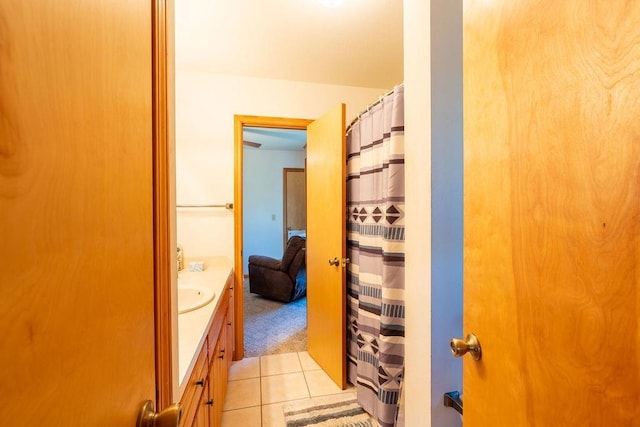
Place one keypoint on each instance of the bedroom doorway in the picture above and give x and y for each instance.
(261, 218)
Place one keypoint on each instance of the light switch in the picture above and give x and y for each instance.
(273, 217)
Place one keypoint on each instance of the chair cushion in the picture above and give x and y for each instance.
(265, 261)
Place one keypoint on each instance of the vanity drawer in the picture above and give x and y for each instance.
(198, 383)
(218, 320)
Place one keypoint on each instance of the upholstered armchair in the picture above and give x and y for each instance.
(283, 280)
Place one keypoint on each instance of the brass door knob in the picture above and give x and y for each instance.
(168, 417)
(335, 261)
(470, 345)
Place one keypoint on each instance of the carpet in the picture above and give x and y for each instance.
(273, 327)
(333, 411)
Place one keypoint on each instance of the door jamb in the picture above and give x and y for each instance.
(163, 188)
(285, 216)
(239, 123)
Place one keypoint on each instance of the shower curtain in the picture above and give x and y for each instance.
(375, 246)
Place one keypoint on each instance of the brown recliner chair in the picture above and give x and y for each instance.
(283, 280)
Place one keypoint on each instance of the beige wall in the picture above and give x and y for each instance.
(205, 107)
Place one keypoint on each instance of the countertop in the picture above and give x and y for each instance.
(193, 325)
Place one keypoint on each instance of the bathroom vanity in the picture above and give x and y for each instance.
(205, 341)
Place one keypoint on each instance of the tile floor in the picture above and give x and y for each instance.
(259, 386)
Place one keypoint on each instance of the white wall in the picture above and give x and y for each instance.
(205, 107)
(263, 199)
(417, 69)
(446, 204)
(433, 165)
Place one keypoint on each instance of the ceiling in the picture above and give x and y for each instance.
(275, 139)
(356, 44)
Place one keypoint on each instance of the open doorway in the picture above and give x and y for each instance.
(274, 210)
(242, 253)
(326, 234)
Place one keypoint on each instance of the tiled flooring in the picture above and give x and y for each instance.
(259, 386)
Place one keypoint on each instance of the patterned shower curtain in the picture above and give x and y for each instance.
(375, 245)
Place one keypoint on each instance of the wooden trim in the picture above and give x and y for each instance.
(238, 269)
(163, 199)
(239, 123)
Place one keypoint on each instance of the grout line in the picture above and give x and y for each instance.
(303, 375)
(261, 403)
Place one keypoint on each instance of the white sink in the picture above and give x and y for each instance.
(193, 296)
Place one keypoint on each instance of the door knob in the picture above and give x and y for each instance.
(335, 261)
(470, 345)
(168, 417)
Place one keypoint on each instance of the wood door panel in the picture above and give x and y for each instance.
(295, 200)
(551, 206)
(77, 308)
(326, 239)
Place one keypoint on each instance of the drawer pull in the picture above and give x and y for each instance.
(200, 382)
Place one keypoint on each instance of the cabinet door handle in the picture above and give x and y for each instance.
(209, 402)
(200, 382)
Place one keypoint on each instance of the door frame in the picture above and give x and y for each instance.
(164, 204)
(240, 122)
(285, 192)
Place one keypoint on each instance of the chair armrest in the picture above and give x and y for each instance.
(264, 261)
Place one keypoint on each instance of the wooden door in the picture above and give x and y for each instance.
(76, 276)
(295, 201)
(326, 233)
(551, 212)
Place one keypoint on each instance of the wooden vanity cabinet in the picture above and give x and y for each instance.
(203, 410)
(203, 399)
(218, 374)
(220, 341)
(197, 389)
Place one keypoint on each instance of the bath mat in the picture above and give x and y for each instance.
(340, 411)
